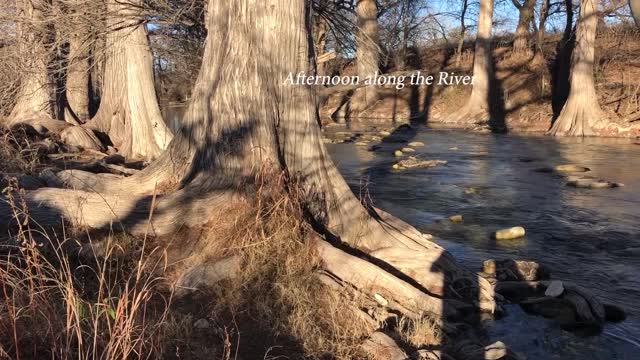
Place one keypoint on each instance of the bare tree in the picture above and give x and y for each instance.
(129, 111)
(36, 94)
(540, 34)
(368, 52)
(78, 70)
(581, 112)
(525, 10)
(463, 31)
(478, 105)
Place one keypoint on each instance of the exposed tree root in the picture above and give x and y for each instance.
(82, 138)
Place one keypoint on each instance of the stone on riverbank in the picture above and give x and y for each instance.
(510, 233)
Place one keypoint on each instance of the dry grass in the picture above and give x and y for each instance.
(111, 296)
(277, 292)
(55, 305)
(19, 153)
(420, 333)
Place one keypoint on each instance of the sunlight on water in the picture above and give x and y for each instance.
(586, 236)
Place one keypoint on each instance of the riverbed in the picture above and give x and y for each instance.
(587, 236)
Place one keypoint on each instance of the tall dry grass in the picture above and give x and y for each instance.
(110, 296)
(56, 304)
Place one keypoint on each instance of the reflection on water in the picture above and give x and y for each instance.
(589, 237)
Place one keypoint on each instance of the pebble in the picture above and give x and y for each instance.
(398, 153)
(416, 144)
(408, 150)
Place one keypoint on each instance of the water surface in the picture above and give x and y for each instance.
(590, 237)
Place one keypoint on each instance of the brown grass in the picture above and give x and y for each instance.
(55, 305)
(108, 296)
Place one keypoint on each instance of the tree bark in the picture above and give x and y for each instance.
(367, 53)
(635, 10)
(521, 42)
(129, 112)
(478, 105)
(544, 11)
(581, 112)
(35, 96)
(77, 85)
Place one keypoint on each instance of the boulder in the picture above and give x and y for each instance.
(416, 144)
(398, 153)
(408, 150)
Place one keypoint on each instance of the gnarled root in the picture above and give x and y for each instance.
(82, 138)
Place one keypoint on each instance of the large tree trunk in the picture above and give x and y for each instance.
(367, 53)
(35, 96)
(129, 111)
(581, 112)
(635, 10)
(77, 85)
(521, 42)
(232, 134)
(478, 106)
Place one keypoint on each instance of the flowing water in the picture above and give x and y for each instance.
(589, 237)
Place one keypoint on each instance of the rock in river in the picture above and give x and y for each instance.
(571, 168)
(412, 162)
(408, 150)
(555, 289)
(591, 183)
(455, 218)
(398, 153)
(510, 233)
(416, 144)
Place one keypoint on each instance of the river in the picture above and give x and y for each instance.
(589, 237)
